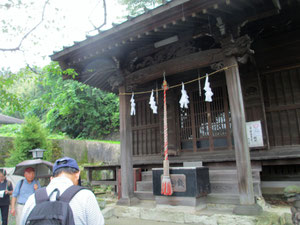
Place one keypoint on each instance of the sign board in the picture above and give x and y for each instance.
(254, 134)
(178, 182)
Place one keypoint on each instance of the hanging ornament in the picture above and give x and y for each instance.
(132, 105)
(152, 103)
(208, 91)
(184, 100)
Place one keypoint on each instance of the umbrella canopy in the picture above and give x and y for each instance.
(42, 168)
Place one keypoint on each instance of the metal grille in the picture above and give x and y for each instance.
(282, 103)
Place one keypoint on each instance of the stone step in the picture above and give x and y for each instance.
(144, 195)
(226, 175)
(144, 186)
(147, 176)
(231, 187)
(215, 198)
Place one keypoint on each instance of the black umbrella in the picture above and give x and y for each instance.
(42, 168)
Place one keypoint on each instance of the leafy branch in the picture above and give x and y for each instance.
(18, 47)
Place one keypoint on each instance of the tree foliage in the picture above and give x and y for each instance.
(9, 100)
(31, 136)
(136, 7)
(64, 106)
(79, 110)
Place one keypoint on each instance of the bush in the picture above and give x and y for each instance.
(31, 136)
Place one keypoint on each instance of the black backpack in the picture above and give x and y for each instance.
(48, 212)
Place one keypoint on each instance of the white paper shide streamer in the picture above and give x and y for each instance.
(132, 112)
(152, 103)
(184, 100)
(208, 92)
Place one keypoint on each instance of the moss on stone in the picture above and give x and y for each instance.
(292, 189)
(84, 156)
(268, 218)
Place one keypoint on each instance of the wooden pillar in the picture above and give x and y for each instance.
(127, 186)
(89, 175)
(242, 155)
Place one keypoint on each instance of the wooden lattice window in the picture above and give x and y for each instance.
(206, 126)
(145, 129)
(282, 105)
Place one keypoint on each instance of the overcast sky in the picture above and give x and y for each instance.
(66, 21)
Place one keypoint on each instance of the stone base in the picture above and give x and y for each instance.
(128, 201)
(248, 210)
(183, 201)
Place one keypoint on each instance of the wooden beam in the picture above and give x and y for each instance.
(126, 149)
(181, 64)
(242, 154)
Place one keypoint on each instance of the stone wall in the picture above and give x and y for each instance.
(82, 151)
(94, 151)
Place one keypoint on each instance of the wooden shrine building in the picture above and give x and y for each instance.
(251, 51)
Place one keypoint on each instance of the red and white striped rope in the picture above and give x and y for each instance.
(165, 121)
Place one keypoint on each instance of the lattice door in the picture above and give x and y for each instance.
(206, 126)
(145, 129)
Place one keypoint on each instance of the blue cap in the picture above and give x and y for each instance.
(65, 162)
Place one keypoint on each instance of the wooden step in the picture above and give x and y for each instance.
(230, 187)
(144, 186)
(147, 176)
(226, 175)
(144, 195)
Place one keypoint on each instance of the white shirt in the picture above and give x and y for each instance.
(84, 205)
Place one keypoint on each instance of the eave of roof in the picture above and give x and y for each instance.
(57, 56)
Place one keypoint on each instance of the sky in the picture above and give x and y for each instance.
(65, 21)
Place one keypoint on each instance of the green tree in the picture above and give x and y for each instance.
(31, 136)
(9, 101)
(73, 108)
(15, 89)
(136, 7)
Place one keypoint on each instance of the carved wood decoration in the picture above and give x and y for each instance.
(239, 48)
(164, 54)
(177, 65)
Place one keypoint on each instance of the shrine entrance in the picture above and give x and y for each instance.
(206, 126)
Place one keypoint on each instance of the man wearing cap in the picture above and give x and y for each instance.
(84, 205)
(21, 193)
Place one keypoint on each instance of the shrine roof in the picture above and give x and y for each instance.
(177, 18)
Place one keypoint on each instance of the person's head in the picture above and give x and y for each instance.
(29, 174)
(2, 175)
(67, 167)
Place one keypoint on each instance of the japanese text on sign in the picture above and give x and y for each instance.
(254, 134)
